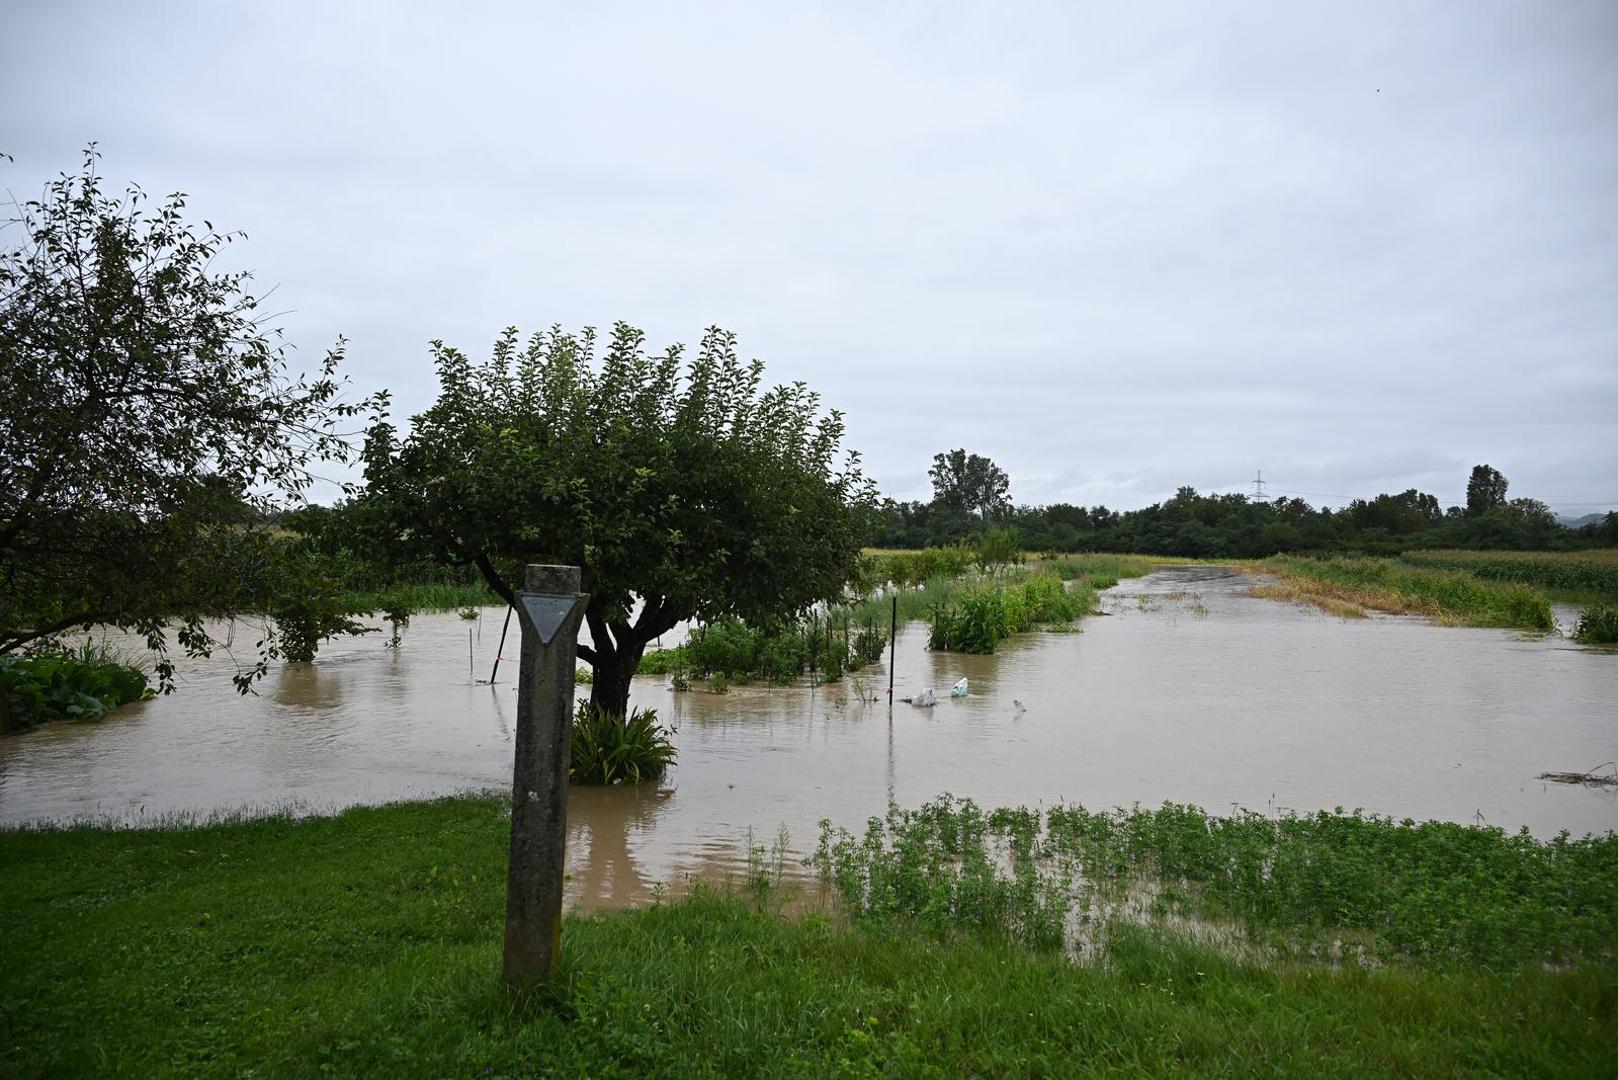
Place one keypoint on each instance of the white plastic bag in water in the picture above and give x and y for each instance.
(959, 689)
(924, 699)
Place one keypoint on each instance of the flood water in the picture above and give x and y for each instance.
(1187, 691)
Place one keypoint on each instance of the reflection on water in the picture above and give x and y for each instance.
(1186, 690)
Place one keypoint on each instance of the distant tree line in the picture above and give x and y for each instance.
(1231, 526)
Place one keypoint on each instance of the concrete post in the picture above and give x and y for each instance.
(539, 777)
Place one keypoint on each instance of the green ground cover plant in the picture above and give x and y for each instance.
(367, 944)
(58, 683)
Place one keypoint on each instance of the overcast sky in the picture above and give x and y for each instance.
(1117, 248)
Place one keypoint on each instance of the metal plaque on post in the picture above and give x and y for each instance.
(544, 613)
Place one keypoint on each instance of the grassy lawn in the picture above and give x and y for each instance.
(368, 944)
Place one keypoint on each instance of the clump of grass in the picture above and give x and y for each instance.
(1598, 625)
(609, 749)
(1446, 596)
(977, 620)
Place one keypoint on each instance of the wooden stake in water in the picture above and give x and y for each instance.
(551, 610)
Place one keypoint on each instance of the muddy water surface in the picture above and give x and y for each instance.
(1186, 691)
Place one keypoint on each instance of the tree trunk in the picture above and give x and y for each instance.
(615, 665)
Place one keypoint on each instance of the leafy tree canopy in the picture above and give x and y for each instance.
(682, 489)
(145, 404)
(970, 483)
(1485, 490)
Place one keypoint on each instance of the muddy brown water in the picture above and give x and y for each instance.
(1187, 691)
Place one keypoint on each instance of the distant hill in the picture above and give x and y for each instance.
(1580, 522)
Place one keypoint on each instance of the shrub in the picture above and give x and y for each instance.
(59, 684)
(615, 750)
(1598, 625)
(975, 621)
(664, 661)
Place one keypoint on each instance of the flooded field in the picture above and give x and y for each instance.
(1186, 690)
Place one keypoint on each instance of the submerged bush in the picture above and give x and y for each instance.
(977, 620)
(60, 684)
(618, 750)
(1598, 625)
(730, 651)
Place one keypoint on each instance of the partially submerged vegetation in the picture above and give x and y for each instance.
(970, 611)
(609, 749)
(976, 620)
(57, 683)
(1348, 586)
(821, 646)
(367, 944)
(1310, 885)
(1593, 571)
(1597, 626)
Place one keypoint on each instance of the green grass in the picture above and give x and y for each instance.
(367, 944)
(1448, 596)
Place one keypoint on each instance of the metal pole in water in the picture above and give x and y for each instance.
(502, 646)
(552, 608)
(893, 644)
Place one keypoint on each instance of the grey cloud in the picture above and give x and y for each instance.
(1361, 247)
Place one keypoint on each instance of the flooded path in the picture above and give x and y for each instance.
(1187, 691)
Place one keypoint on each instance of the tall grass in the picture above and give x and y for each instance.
(976, 620)
(1448, 596)
(1598, 625)
(1594, 571)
